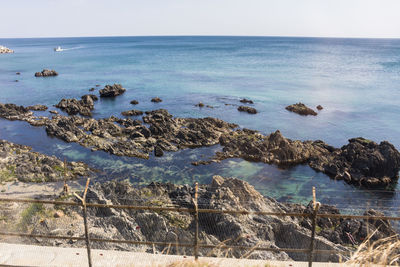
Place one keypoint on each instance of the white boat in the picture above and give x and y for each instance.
(58, 49)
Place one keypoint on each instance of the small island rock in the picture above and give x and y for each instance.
(301, 109)
(112, 90)
(46, 73)
(156, 100)
(249, 110)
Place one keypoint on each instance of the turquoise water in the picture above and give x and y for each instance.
(357, 81)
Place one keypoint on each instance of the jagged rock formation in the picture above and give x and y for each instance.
(301, 109)
(18, 162)
(214, 228)
(74, 106)
(46, 73)
(112, 90)
(361, 162)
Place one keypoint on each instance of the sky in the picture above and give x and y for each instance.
(313, 18)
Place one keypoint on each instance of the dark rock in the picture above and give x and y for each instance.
(200, 105)
(301, 109)
(37, 107)
(16, 81)
(73, 106)
(132, 112)
(46, 73)
(246, 101)
(319, 107)
(91, 89)
(97, 85)
(362, 162)
(93, 97)
(249, 110)
(112, 90)
(134, 102)
(18, 73)
(158, 152)
(156, 100)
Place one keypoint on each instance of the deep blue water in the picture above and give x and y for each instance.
(357, 81)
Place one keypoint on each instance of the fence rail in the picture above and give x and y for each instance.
(195, 211)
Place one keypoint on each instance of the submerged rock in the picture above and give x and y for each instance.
(112, 90)
(319, 107)
(249, 110)
(132, 112)
(46, 73)
(246, 101)
(37, 107)
(301, 109)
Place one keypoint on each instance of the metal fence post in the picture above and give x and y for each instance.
(87, 239)
(196, 219)
(314, 226)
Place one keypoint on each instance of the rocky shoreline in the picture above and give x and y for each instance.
(20, 163)
(215, 228)
(361, 161)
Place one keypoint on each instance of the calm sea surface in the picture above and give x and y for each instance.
(357, 81)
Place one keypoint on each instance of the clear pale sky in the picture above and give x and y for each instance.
(326, 18)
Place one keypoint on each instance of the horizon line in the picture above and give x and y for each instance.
(199, 35)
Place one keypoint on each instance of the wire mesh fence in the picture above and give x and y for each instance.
(196, 243)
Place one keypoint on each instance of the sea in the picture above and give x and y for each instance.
(357, 81)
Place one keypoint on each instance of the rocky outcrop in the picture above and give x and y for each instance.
(46, 73)
(246, 101)
(73, 106)
(156, 100)
(5, 50)
(18, 162)
(361, 162)
(249, 110)
(214, 228)
(134, 102)
(37, 107)
(112, 90)
(301, 109)
(132, 112)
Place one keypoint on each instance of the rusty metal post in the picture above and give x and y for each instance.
(87, 239)
(314, 226)
(196, 219)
